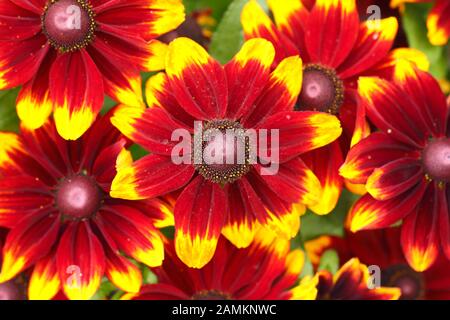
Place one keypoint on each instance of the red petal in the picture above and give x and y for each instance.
(438, 23)
(197, 80)
(150, 128)
(394, 178)
(133, 232)
(420, 231)
(27, 242)
(20, 61)
(325, 163)
(368, 213)
(150, 177)
(393, 111)
(300, 132)
(76, 90)
(332, 31)
(373, 152)
(156, 17)
(280, 94)
(247, 75)
(375, 39)
(44, 282)
(21, 196)
(199, 217)
(33, 103)
(15, 29)
(80, 261)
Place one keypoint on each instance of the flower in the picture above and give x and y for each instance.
(265, 270)
(54, 196)
(336, 49)
(351, 282)
(404, 165)
(217, 196)
(438, 21)
(381, 248)
(68, 53)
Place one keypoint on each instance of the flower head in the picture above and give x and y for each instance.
(336, 49)
(67, 54)
(381, 248)
(351, 282)
(233, 197)
(404, 164)
(54, 196)
(265, 270)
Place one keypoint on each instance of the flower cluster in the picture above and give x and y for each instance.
(213, 180)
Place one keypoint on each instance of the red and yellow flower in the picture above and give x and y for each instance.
(382, 248)
(438, 21)
(68, 53)
(231, 199)
(54, 198)
(265, 270)
(351, 282)
(405, 165)
(336, 48)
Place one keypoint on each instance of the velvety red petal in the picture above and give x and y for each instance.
(247, 75)
(369, 213)
(150, 177)
(199, 217)
(332, 31)
(80, 260)
(76, 90)
(420, 231)
(197, 80)
(27, 242)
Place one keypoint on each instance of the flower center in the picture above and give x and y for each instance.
(211, 295)
(10, 291)
(224, 155)
(405, 278)
(68, 24)
(78, 197)
(436, 159)
(322, 90)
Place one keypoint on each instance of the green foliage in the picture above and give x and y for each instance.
(314, 225)
(228, 38)
(9, 120)
(414, 24)
(329, 261)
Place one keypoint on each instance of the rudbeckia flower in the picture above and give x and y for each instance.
(405, 165)
(233, 197)
(351, 282)
(265, 270)
(438, 21)
(68, 53)
(381, 248)
(336, 48)
(54, 198)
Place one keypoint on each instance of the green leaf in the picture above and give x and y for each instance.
(414, 24)
(9, 120)
(229, 37)
(329, 261)
(314, 225)
(218, 6)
